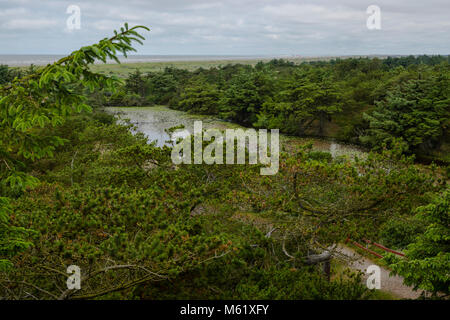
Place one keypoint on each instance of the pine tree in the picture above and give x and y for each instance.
(416, 112)
(427, 262)
(45, 97)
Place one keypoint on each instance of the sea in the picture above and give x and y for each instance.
(26, 60)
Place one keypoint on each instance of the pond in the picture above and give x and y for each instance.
(154, 121)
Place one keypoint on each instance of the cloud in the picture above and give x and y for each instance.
(259, 27)
(107, 25)
(12, 12)
(310, 13)
(29, 24)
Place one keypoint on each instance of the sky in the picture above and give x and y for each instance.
(231, 27)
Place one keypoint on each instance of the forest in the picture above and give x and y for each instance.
(78, 188)
(369, 102)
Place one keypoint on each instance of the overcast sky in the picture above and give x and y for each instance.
(241, 27)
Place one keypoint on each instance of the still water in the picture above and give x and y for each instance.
(153, 121)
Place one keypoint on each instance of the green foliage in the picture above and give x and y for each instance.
(398, 232)
(139, 226)
(162, 87)
(93, 228)
(417, 112)
(237, 280)
(8, 74)
(320, 156)
(363, 101)
(135, 83)
(428, 257)
(292, 284)
(45, 98)
(200, 98)
(108, 199)
(244, 96)
(11, 238)
(307, 97)
(4, 74)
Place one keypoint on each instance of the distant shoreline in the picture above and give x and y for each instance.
(39, 60)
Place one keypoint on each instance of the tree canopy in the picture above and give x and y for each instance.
(42, 99)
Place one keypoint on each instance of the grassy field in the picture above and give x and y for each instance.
(123, 69)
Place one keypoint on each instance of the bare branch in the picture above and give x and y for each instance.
(33, 286)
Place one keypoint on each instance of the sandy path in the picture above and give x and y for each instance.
(392, 284)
